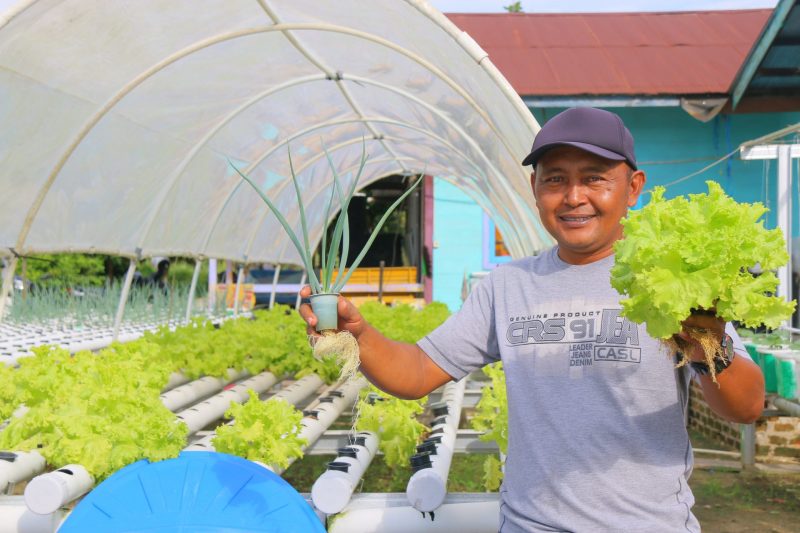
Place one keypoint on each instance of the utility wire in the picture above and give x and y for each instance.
(693, 174)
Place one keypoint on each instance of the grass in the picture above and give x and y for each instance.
(466, 473)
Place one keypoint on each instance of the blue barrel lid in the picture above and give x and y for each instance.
(196, 492)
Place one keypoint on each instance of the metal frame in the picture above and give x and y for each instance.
(285, 28)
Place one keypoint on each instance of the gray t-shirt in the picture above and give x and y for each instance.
(597, 436)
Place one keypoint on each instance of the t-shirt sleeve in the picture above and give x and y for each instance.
(467, 341)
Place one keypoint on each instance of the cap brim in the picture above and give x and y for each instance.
(596, 150)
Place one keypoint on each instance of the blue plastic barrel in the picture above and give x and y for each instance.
(196, 492)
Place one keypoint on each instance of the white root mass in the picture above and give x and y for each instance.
(709, 343)
(342, 346)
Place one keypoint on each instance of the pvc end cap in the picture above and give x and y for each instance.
(45, 494)
(331, 494)
(426, 491)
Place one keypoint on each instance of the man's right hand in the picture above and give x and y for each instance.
(350, 318)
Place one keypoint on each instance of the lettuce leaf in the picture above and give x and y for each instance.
(262, 431)
(693, 253)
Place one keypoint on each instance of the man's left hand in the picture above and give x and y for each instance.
(691, 347)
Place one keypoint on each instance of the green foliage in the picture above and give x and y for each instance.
(516, 7)
(99, 410)
(394, 422)
(403, 322)
(492, 473)
(9, 399)
(684, 254)
(491, 417)
(263, 431)
(65, 269)
(103, 410)
(392, 419)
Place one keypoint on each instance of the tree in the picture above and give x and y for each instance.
(516, 7)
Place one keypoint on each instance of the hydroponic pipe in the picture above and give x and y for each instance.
(334, 488)
(790, 407)
(196, 418)
(191, 392)
(15, 517)
(385, 513)
(202, 414)
(293, 394)
(175, 379)
(427, 487)
(325, 412)
(19, 466)
(45, 494)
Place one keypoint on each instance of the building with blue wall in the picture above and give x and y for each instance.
(670, 143)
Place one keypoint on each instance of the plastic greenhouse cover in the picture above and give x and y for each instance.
(124, 120)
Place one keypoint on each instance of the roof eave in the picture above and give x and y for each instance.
(759, 50)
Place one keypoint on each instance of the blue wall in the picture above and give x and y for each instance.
(458, 241)
(669, 145)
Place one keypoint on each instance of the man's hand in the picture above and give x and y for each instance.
(690, 346)
(738, 394)
(350, 318)
(399, 368)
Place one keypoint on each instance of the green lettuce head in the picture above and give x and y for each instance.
(693, 253)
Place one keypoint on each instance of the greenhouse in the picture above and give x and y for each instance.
(247, 144)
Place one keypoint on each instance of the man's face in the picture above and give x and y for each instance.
(582, 198)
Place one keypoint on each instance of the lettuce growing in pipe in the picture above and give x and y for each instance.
(688, 254)
(325, 289)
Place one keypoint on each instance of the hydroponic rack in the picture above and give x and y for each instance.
(201, 404)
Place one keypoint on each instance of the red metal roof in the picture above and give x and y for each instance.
(617, 53)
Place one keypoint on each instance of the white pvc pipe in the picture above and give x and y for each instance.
(328, 409)
(199, 416)
(427, 487)
(274, 285)
(123, 298)
(198, 263)
(300, 389)
(334, 488)
(46, 493)
(15, 517)
(24, 466)
(293, 394)
(191, 392)
(175, 379)
(383, 513)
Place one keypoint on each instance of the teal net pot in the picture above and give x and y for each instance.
(325, 307)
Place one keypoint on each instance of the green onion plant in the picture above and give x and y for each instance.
(331, 257)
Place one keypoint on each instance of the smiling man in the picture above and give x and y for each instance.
(597, 435)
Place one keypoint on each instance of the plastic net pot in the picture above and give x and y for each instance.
(325, 307)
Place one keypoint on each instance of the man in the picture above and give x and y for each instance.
(597, 436)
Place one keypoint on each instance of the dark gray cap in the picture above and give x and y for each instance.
(597, 131)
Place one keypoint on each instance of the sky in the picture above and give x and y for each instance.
(590, 6)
